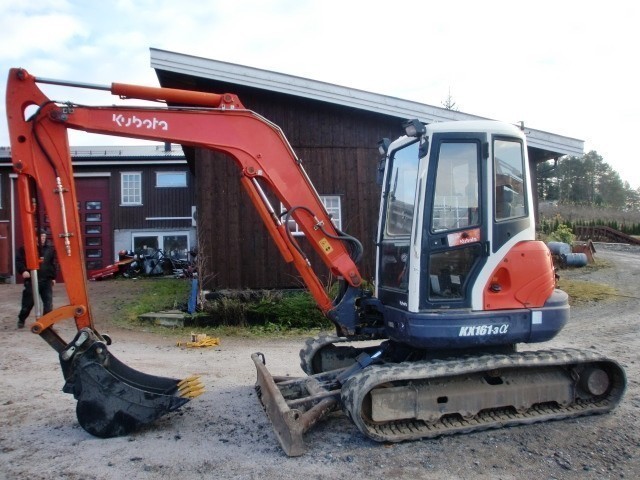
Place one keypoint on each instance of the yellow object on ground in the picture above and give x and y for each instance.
(200, 340)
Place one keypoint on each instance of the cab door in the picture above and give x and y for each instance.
(397, 218)
(454, 231)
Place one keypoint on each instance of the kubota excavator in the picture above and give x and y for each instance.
(460, 278)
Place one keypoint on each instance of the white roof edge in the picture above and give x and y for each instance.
(336, 94)
(115, 151)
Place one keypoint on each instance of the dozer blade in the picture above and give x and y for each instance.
(114, 399)
(294, 405)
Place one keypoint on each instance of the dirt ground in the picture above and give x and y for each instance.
(225, 434)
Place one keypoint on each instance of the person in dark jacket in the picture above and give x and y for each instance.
(46, 278)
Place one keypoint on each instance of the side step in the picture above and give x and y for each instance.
(294, 405)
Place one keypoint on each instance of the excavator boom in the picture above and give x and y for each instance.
(114, 399)
(215, 122)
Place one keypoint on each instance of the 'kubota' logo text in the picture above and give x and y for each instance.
(133, 121)
(480, 330)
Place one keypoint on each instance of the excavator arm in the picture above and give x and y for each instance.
(216, 122)
(41, 158)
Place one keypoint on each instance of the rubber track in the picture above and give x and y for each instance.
(356, 388)
(312, 346)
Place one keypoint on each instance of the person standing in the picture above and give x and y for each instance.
(46, 278)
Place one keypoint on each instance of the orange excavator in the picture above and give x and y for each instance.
(460, 279)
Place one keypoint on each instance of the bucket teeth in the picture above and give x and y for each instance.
(190, 387)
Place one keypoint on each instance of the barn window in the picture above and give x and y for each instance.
(173, 244)
(333, 205)
(131, 188)
(171, 179)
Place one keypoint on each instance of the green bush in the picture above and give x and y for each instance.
(563, 233)
(294, 310)
(226, 311)
(272, 310)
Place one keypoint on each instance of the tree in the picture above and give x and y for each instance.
(449, 103)
(573, 181)
(547, 180)
(586, 180)
(611, 191)
(632, 202)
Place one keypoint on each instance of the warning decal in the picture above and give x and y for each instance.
(325, 245)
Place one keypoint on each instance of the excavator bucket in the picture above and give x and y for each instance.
(114, 399)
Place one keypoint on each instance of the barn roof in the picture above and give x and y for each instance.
(132, 154)
(129, 151)
(548, 144)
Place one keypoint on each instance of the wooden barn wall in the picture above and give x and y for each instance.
(156, 202)
(338, 148)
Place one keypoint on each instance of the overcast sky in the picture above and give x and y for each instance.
(567, 67)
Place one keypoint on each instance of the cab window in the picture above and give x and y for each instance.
(456, 199)
(401, 190)
(509, 178)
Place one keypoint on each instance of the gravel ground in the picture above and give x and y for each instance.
(225, 434)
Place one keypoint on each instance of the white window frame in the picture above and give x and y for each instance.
(160, 235)
(181, 185)
(137, 196)
(329, 202)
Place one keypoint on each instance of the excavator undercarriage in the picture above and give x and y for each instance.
(394, 402)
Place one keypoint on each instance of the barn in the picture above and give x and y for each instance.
(333, 129)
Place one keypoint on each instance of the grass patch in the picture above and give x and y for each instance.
(250, 314)
(599, 264)
(225, 331)
(158, 295)
(581, 292)
(252, 331)
(278, 314)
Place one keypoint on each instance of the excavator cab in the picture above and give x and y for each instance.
(456, 226)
